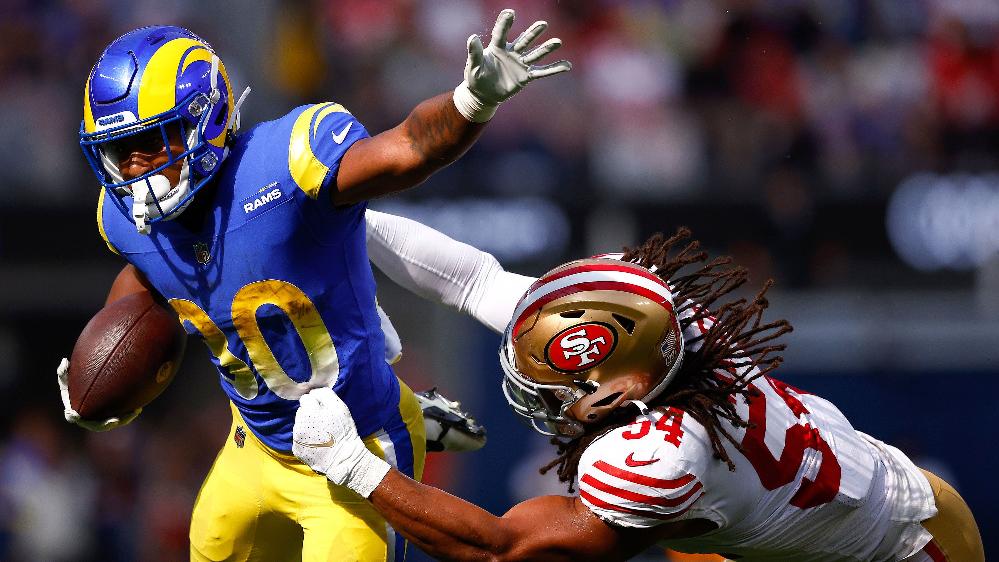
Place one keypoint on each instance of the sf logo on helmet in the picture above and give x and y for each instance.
(581, 347)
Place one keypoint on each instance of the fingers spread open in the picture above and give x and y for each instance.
(528, 36)
(542, 50)
(503, 24)
(475, 50)
(549, 69)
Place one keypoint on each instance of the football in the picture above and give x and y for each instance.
(125, 357)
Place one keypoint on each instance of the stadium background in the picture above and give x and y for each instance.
(848, 149)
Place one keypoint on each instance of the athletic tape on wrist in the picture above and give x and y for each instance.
(368, 473)
(470, 106)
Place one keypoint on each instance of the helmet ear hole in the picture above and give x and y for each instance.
(627, 323)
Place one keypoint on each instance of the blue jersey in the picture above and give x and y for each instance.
(277, 282)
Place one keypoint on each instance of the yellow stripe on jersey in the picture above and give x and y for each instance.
(100, 218)
(412, 416)
(306, 169)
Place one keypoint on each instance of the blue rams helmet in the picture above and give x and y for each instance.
(148, 84)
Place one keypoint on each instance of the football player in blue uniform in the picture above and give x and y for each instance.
(257, 240)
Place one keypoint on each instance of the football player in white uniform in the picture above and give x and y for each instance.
(668, 424)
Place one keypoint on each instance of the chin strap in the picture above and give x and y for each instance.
(234, 115)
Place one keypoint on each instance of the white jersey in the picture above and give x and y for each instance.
(808, 487)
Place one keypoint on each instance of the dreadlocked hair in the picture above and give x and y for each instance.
(736, 349)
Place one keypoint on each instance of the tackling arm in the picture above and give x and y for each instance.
(441, 269)
(441, 129)
(546, 528)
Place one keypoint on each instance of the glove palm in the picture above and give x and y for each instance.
(497, 72)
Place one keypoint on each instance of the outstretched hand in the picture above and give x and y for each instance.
(495, 73)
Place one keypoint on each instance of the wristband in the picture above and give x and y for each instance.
(367, 473)
(470, 106)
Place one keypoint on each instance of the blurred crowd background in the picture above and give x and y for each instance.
(848, 149)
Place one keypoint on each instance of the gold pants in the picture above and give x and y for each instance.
(259, 505)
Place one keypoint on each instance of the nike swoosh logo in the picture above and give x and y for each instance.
(630, 461)
(338, 137)
(327, 443)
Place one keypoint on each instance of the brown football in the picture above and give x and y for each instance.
(124, 358)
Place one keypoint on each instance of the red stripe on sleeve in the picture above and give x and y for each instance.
(643, 480)
(639, 498)
(934, 551)
(641, 513)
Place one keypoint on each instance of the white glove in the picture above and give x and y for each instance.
(62, 373)
(326, 439)
(492, 76)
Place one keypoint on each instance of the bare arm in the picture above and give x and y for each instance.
(441, 129)
(546, 528)
(431, 137)
(550, 528)
(130, 280)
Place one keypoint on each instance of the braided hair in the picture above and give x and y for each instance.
(738, 343)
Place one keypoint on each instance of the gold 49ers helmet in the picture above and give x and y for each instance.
(588, 337)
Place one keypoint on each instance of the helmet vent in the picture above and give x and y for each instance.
(572, 314)
(607, 400)
(537, 360)
(627, 323)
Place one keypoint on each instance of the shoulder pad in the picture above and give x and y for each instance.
(320, 135)
(643, 474)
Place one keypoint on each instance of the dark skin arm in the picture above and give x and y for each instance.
(431, 137)
(550, 528)
(130, 280)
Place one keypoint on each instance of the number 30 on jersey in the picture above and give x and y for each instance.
(304, 317)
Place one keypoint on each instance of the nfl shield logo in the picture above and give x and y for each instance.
(239, 436)
(201, 253)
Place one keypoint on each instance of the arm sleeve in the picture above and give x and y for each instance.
(441, 269)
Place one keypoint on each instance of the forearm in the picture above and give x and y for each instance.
(551, 528)
(432, 136)
(437, 134)
(443, 526)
